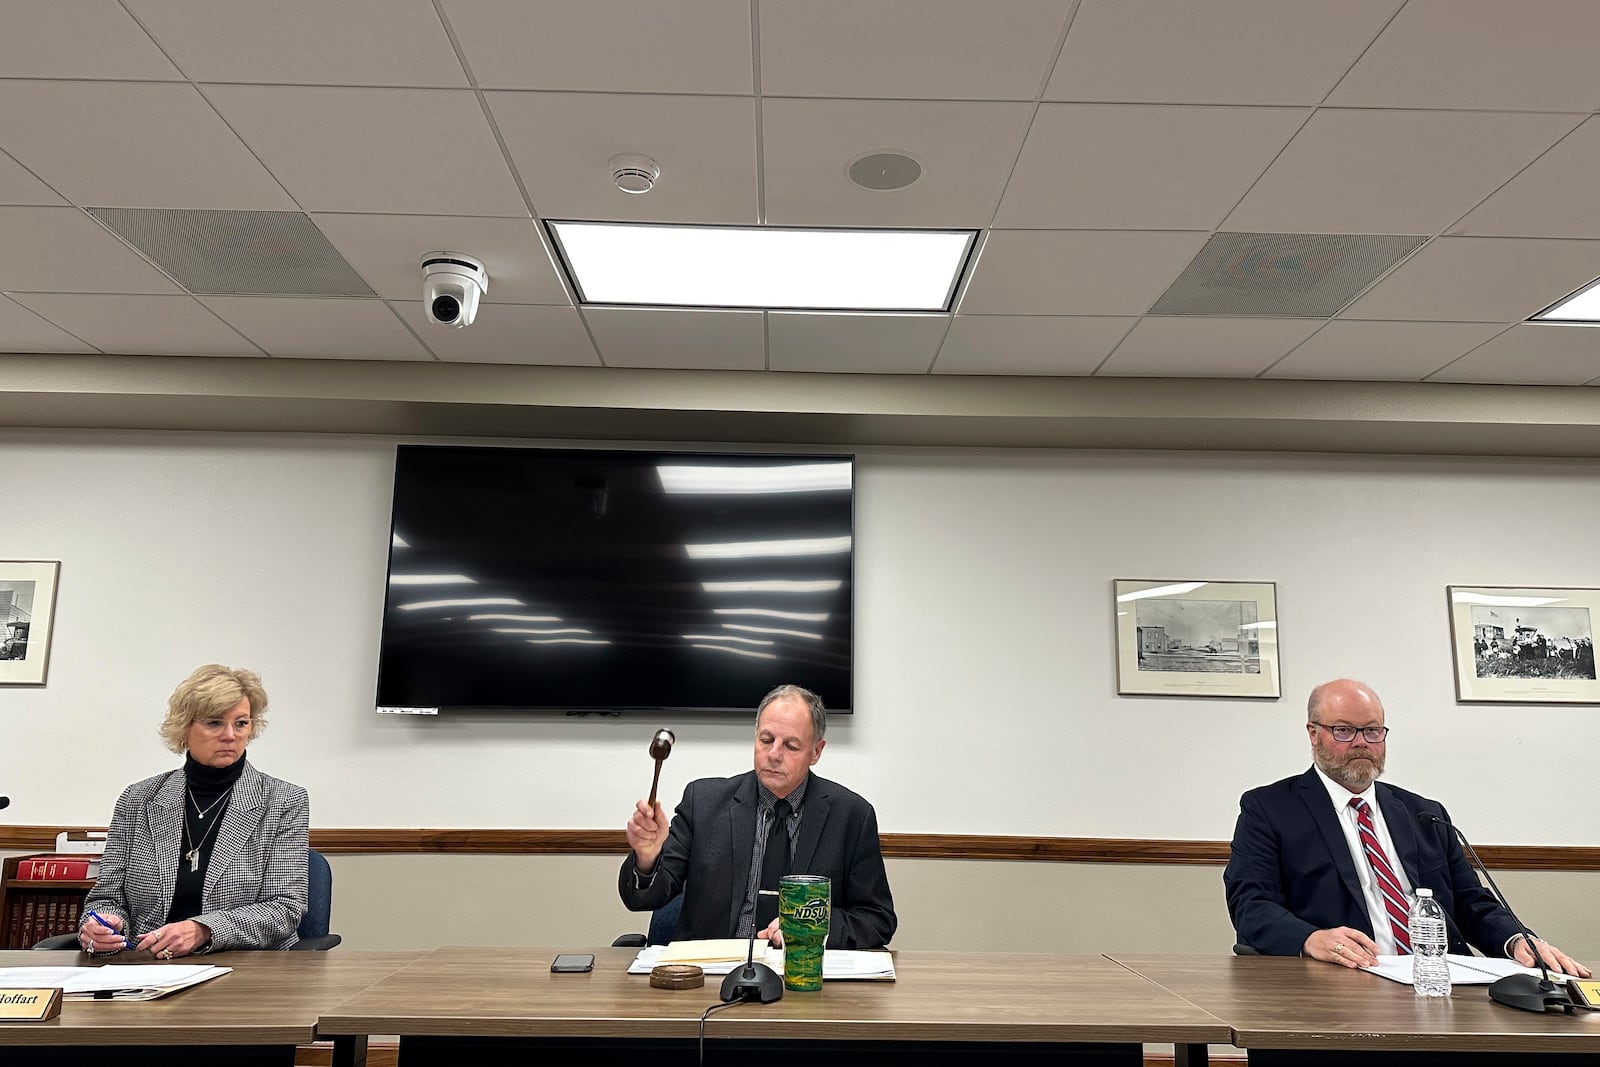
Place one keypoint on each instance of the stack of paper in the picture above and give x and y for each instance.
(137, 981)
(1464, 970)
(724, 955)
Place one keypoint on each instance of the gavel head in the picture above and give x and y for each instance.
(661, 744)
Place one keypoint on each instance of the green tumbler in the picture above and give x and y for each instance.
(804, 906)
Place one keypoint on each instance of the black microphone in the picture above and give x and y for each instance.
(754, 981)
(1521, 991)
(5, 802)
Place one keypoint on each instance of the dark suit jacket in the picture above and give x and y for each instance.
(1291, 872)
(255, 890)
(708, 851)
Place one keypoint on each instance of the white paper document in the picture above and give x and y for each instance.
(837, 965)
(1464, 970)
(137, 981)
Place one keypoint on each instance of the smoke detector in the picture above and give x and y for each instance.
(634, 173)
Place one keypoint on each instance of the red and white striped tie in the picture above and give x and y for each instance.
(1394, 898)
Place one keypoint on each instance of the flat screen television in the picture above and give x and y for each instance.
(582, 580)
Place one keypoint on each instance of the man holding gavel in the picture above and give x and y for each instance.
(731, 837)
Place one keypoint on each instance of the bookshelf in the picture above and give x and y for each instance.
(31, 911)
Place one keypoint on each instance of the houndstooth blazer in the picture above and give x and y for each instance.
(255, 889)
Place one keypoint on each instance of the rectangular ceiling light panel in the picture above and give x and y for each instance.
(651, 265)
(1581, 307)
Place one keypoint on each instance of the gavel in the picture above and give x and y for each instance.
(660, 749)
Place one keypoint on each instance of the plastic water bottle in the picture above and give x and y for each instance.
(1430, 971)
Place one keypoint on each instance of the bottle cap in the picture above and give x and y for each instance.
(1424, 892)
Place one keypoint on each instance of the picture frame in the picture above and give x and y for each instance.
(1523, 644)
(27, 617)
(1197, 638)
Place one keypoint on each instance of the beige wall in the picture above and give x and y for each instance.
(986, 690)
(426, 901)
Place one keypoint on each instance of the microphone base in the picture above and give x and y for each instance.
(1528, 992)
(753, 981)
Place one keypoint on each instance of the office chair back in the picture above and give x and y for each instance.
(313, 929)
(664, 921)
(663, 925)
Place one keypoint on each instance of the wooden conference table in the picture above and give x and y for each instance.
(465, 1005)
(454, 1003)
(257, 1015)
(1291, 1010)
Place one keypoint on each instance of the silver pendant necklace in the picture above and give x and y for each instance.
(203, 815)
(193, 854)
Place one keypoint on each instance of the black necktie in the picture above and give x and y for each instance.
(774, 863)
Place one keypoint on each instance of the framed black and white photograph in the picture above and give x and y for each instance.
(27, 612)
(1189, 638)
(1524, 646)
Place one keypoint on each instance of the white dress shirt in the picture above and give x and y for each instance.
(1379, 915)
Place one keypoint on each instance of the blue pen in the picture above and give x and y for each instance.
(126, 940)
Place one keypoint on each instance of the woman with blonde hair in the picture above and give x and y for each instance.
(210, 856)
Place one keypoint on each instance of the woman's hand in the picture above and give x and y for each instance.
(95, 937)
(176, 939)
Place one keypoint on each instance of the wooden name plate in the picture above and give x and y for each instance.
(29, 1005)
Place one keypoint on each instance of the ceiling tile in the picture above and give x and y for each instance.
(308, 328)
(1174, 168)
(409, 151)
(1481, 279)
(352, 42)
(966, 151)
(1400, 172)
(1029, 344)
(1204, 348)
(83, 39)
(507, 333)
(1076, 272)
(1437, 54)
(943, 49)
(1381, 351)
(1531, 355)
(105, 144)
(143, 325)
(1220, 52)
(1554, 197)
(562, 143)
(869, 344)
(665, 46)
(674, 339)
(17, 186)
(387, 250)
(62, 250)
(23, 331)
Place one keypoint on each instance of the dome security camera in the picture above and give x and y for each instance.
(452, 284)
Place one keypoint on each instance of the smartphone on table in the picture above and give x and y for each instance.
(572, 963)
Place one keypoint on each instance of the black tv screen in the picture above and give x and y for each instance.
(597, 581)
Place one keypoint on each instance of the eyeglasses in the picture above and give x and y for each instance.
(1372, 735)
(216, 726)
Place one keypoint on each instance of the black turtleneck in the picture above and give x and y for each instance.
(205, 787)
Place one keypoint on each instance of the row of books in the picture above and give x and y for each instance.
(58, 868)
(36, 916)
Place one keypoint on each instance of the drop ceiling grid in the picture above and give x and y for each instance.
(719, 84)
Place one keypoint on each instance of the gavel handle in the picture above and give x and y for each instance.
(653, 783)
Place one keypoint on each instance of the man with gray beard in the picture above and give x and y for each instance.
(1325, 864)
